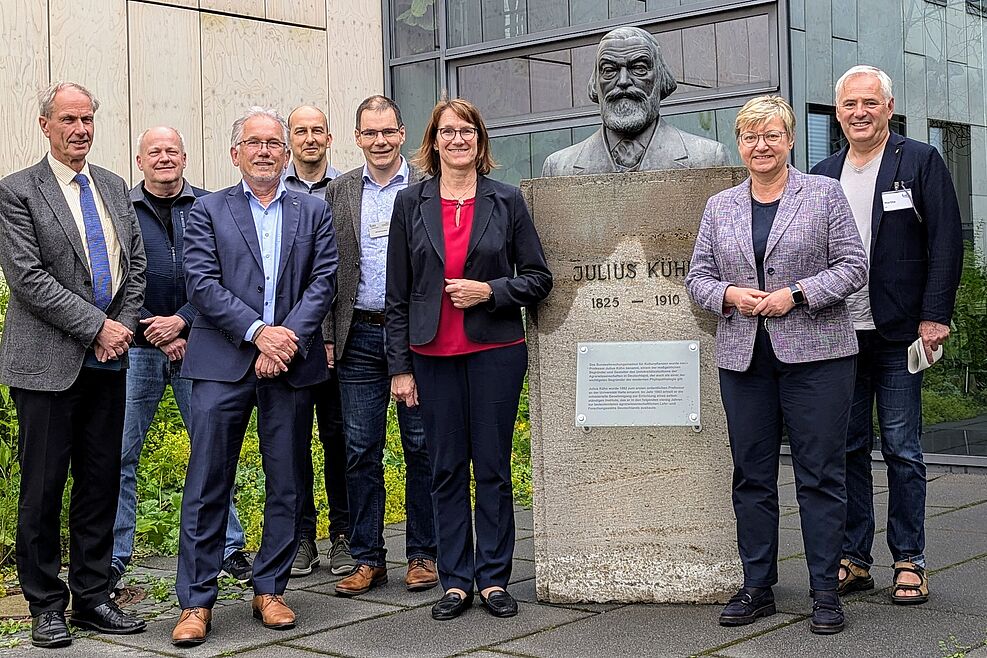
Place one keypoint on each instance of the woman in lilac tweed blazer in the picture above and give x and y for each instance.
(774, 260)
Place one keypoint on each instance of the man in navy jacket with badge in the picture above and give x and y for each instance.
(905, 207)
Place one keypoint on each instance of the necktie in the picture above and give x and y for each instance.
(627, 153)
(99, 262)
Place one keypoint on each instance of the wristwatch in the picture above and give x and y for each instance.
(798, 297)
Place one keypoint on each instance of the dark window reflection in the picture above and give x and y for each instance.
(414, 30)
(415, 86)
(730, 53)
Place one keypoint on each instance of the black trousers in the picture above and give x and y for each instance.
(81, 426)
(469, 406)
(813, 401)
(329, 414)
(284, 427)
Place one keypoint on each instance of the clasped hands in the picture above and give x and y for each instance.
(278, 346)
(465, 293)
(751, 301)
(163, 332)
(112, 341)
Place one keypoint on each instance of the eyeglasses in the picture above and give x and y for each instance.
(449, 134)
(272, 145)
(771, 138)
(388, 133)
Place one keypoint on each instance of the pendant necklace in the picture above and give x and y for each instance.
(460, 198)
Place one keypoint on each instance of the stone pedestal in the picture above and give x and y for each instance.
(626, 514)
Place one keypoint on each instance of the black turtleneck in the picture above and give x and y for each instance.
(162, 207)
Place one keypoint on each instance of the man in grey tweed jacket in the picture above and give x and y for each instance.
(72, 254)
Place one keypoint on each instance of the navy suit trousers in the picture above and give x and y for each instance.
(284, 426)
(812, 401)
(469, 406)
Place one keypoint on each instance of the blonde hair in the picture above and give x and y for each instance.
(762, 109)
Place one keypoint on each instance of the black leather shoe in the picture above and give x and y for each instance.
(48, 630)
(747, 605)
(451, 606)
(108, 618)
(827, 613)
(499, 604)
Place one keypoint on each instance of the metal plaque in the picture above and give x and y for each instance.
(638, 384)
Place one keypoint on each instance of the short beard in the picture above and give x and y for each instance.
(630, 116)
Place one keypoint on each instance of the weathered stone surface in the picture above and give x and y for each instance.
(626, 514)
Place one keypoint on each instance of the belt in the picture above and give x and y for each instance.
(370, 317)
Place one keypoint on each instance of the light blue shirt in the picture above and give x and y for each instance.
(267, 221)
(376, 205)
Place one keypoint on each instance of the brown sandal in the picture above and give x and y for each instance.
(857, 579)
(921, 587)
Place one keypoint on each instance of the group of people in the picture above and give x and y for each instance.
(302, 292)
(273, 295)
(820, 284)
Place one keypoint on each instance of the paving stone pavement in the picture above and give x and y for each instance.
(390, 621)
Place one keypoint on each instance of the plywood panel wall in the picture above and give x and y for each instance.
(247, 62)
(311, 13)
(23, 73)
(238, 7)
(89, 46)
(166, 87)
(356, 70)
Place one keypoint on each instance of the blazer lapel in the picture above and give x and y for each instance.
(240, 209)
(593, 154)
(791, 199)
(354, 192)
(885, 177)
(431, 210)
(482, 210)
(52, 193)
(742, 228)
(666, 145)
(290, 217)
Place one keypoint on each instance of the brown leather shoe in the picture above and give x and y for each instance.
(273, 612)
(192, 628)
(421, 574)
(361, 580)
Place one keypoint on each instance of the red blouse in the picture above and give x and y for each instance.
(450, 338)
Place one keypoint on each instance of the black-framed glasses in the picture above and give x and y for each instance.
(771, 138)
(272, 145)
(388, 133)
(449, 134)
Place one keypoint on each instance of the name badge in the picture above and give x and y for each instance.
(896, 200)
(380, 229)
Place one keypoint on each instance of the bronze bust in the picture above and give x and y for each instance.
(629, 82)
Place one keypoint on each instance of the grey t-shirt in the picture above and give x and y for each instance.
(858, 185)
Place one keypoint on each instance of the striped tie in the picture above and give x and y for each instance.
(98, 260)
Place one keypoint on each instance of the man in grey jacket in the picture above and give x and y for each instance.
(71, 252)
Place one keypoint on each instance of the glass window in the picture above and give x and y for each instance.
(726, 54)
(825, 136)
(416, 86)
(414, 30)
(952, 140)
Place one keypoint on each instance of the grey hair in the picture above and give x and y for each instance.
(257, 111)
(666, 81)
(46, 99)
(181, 137)
(863, 69)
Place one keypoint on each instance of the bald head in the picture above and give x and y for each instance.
(308, 130)
(161, 157)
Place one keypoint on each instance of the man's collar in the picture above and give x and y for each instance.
(401, 175)
(65, 173)
(249, 193)
(137, 192)
(291, 172)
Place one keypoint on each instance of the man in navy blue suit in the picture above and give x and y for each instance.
(260, 265)
(905, 207)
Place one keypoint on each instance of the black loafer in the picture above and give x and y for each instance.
(499, 603)
(451, 606)
(827, 613)
(747, 606)
(48, 630)
(108, 618)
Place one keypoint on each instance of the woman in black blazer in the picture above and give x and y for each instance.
(463, 257)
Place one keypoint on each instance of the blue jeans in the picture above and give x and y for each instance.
(149, 373)
(882, 374)
(365, 387)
